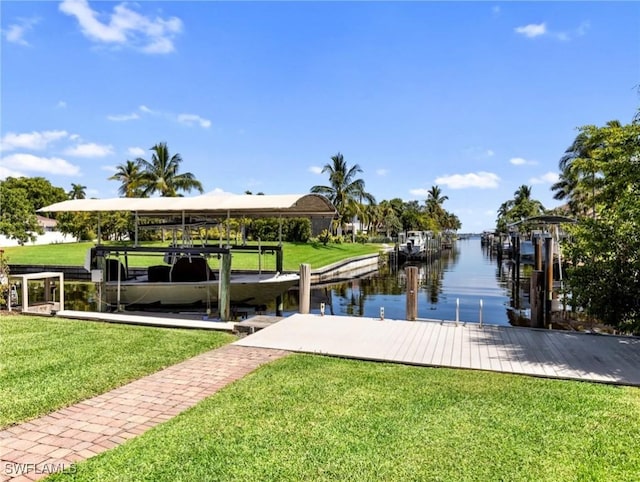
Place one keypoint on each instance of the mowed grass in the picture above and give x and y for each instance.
(294, 254)
(314, 418)
(49, 363)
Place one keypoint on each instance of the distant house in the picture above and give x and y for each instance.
(49, 225)
(50, 236)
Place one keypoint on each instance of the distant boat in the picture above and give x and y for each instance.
(413, 244)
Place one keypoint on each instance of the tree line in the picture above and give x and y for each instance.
(599, 182)
(20, 198)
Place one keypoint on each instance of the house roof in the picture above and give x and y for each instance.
(208, 205)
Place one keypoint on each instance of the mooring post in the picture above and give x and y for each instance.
(412, 292)
(480, 313)
(538, 254)
(279, 268)
(548, 293)
(224, 290)
(536, 298)
(304, 292)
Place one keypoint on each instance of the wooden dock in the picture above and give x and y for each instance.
(526, 351)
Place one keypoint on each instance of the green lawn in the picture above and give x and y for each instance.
(317, 255)
(308, 417)
(49, 363)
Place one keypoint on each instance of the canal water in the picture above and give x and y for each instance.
(457, 281)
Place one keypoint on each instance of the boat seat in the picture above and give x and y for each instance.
(112, 270)
(159, 273)
(191, 269)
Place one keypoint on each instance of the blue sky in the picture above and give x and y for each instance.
(476, 97)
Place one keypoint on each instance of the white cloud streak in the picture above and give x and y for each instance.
(315, 170)
(123, 117)
(90, 149)
(532, 30)
(481, 180)
(191, 119)
(136, 151)
(547, 178)
(520, 161)
(16, 32)
(50, 165)
(125, 27)
(35, 141)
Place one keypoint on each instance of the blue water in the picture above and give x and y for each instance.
(456, 282)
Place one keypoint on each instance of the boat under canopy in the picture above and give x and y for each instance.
(185, 277)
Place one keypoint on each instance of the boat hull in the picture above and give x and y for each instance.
(253, 290)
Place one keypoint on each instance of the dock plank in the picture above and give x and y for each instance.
(546, 353)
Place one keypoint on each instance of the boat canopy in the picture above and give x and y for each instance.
(207, 205)
(545, 219)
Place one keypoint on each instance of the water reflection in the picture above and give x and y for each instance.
(458, 280)
(466, 274)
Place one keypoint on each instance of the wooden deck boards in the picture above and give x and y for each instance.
(545, 353)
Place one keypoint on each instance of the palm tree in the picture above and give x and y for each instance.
(131, 178)
(345, 191)
(435, 197)
(77, 191)
(434, 203)
(160, 175)
(578, 183)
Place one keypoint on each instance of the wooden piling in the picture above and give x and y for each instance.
(304, 292)
(548, 285)
(536, 298)
(224, 291)
(279, 268)
(538, 253)
(412, 292)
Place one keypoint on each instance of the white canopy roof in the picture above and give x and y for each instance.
(209, 205)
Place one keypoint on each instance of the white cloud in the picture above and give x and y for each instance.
(31, 163)
(61, 104)
(519, 161)
(146, 110)
(490, 212)
(30, 140)
(16, 32)
(315, 170)
(190, 119)
(125, 27)
(495, 10)
(532, 30)
(382, 172)
(419, 192)
(536, 30)
(547, 178)
(136, 151)
(482, 180)
(123, 117)
(110, 169)
(90, 149)
(5, 172)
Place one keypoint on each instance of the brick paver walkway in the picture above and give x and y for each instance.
(32, 450)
